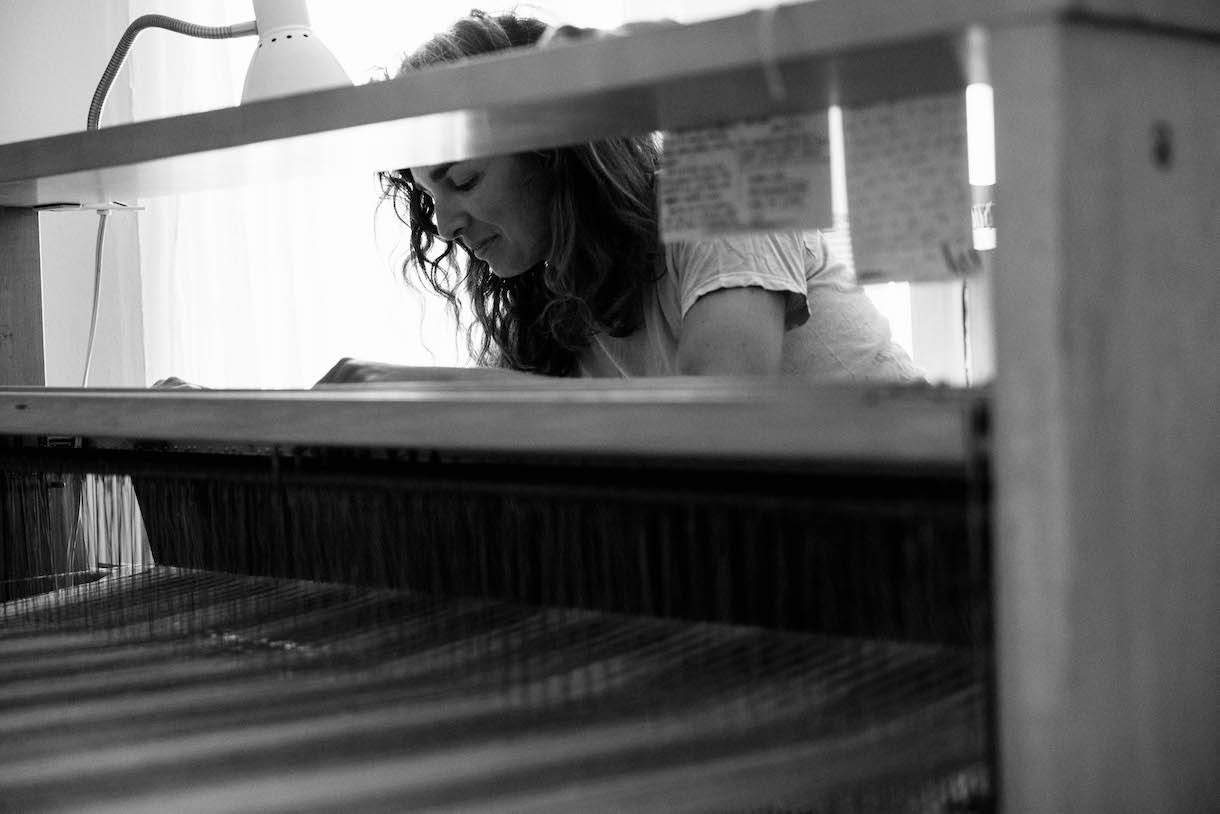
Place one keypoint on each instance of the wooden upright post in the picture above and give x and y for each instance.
(21, 341)
(1107, 418)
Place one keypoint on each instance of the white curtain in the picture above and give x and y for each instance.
(266, 286)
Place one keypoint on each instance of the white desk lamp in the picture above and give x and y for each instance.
(290, 58)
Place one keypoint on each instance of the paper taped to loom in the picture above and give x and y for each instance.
(767, 175)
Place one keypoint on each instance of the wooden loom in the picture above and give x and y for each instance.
(666, 622)
(1103, 430)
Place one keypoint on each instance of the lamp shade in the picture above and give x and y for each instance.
(289, 57)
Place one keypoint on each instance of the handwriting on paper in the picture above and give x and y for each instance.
(750, 176)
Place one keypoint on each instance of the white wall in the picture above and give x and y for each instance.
(54, 53)
(936, 330)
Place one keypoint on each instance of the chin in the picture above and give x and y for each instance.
(507, 272)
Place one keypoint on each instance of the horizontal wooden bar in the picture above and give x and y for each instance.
(755, 419)
(663, 79)
(1200, 17)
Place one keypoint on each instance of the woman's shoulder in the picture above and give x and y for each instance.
(790, 255)
(787, 253)
(741, 244)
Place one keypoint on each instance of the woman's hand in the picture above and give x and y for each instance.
(174, 383)
(360, 371)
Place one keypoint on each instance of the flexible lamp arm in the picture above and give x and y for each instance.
(156, 21)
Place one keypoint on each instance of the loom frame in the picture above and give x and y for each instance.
(1104, 420)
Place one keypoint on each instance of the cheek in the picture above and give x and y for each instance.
(542, 234)
(526, 224)
(534, 204)
(538, 217)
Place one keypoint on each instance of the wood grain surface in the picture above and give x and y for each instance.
(1106, 420)
(685, 76)
(21, 342)
(758, 418)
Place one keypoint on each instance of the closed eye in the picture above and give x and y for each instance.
(468, 184)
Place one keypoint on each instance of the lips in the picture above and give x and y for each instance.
(479, 248)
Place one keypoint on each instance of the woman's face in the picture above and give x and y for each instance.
(496, 207)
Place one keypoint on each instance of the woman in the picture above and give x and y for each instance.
(559, 255)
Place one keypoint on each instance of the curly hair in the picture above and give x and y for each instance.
(604, 235)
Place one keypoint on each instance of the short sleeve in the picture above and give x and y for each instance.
(771, 261)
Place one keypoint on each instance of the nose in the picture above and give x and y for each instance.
(451, 218)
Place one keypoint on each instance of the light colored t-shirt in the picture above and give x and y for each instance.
(832, 328)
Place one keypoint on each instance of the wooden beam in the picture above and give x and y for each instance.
(1106, 452)
(1198, 16)
(21, 340)
(755, 419)
(694, 75)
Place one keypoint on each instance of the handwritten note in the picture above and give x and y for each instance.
(750, 176)
(908, 193)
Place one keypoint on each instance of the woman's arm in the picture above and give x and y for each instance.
(733, 331)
